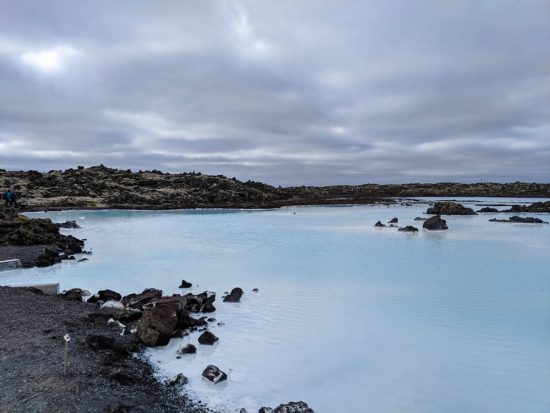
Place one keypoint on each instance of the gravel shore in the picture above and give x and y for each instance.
(102, 374)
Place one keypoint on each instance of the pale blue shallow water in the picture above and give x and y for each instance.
(349, 318)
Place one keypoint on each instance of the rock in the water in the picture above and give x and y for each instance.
(523, 220)
(536, 207)
(294, 407)
(234, 296)
(137, 301)
(179, 380)
(255, 290)
(435, 223)
(408, 228)
(214, 374)
(393, 221)
(104, 295)
(379, 224)
(450, 208)
(488, 209)
(420, 219)
(265, 410)
(68, 224)
(208, 338)
(185, 284)
(187, 349)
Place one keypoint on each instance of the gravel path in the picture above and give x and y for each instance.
(102, 375)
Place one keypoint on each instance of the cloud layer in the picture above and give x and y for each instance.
(287, 92)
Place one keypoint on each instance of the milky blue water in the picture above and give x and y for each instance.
(349, 318)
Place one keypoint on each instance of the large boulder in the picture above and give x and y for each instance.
(435, 223)
(234, 296)
(126, 315)
(449, 208)
(214, 374)
(159, 320)
(137, 301)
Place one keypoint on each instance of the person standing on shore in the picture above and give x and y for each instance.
(6, 197)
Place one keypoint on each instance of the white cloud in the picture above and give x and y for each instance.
(49, 60)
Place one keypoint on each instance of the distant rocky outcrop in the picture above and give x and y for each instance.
(537, 207)
(435, 223)
(449, 208)
(488, 209)
(379, 224)
(523, 220)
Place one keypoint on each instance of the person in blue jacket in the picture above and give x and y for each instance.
(6, 197)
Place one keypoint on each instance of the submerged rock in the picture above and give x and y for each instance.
(408, 228)
(450, 208)
(420, 219)
(214, 374)
(523, 220)
(234, 296)
(435, 223)
(208, 338)
(379, 224)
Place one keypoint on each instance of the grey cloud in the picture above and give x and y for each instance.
(288, 92)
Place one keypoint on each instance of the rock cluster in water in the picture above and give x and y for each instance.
(518, 219)
(449, 208)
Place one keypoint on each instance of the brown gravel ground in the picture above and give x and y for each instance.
(102, 375)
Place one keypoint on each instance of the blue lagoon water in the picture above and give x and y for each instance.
(349, 318)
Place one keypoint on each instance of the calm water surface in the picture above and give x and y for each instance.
(349, 318)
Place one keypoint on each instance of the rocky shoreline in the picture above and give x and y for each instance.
(102, 373)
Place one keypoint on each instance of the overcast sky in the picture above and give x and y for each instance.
(286, 91)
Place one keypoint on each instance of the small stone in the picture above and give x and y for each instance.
(208, 338)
